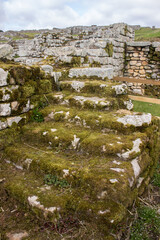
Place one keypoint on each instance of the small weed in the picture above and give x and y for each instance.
(50, 179)
(37, 116)
(109, 49)
(16, 56)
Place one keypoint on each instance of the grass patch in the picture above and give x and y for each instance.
(147, 34)
(152, 108)
(147, 225)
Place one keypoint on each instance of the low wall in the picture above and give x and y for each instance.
(142, 60)
(90, 47)
(21, 89)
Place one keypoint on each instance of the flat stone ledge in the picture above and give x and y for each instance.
(139, 44)
(156, 44)
(90, 72)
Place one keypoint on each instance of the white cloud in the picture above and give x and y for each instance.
(32, 14)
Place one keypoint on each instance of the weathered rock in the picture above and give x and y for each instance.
(136, 120)
(5, 51)
(47, 69)
(3, 77)
(56, 76)
(120, 89)
(5, 109)
(3, 125)
(90, 72)
(13, 120)
(17, 236)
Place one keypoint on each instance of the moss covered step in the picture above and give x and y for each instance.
(102, 198)
(54, 202)
(99, 88)
(81, 171)
(90, 101)
(121, 120)
(70, 138)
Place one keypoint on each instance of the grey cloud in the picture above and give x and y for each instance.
(18, 14)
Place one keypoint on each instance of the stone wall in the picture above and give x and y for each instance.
(89, 46)
(21, 89)
(142, 60)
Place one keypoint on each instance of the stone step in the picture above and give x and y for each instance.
(97, 72)
(122, 120)
(78, 170)
(90, 101)
(98, 190)
(70, 138)
(99, 88)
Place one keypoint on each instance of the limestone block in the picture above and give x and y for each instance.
(5, 109)
(27, 107)
(120, 89)
(130, 70)
(5, 51)
(133, 62)
(56, 76)
(13, 120)
(47, 68)
(135, 54)
(90, 72)
(139, 44)
(136, 119)
(101, 60)
(64, 58)
(7, 92)
(14, 106)
(156, 44)
(3, 77)
(142, 71)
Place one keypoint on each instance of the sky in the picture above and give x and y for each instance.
(40, 14)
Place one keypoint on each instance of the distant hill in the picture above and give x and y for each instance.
(147, 34)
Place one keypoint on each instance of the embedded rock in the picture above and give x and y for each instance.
(5, 51)
(3, 77)
(47, 69)
(91, 72)
(5, 109)
(3, 125)
(136, 120)
(120, 89)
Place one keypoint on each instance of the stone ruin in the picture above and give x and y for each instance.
(70, 143)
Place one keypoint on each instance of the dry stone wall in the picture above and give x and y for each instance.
(21, 89)
(80, 46)
(143, 60)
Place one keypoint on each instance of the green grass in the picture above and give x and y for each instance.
(147, 225)
(31, 34)
(147, 34)
(152, 108)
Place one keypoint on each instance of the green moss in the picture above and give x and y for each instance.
(9, 136)
(86, 59)
(1, 94)
(95, 64)
(27, 90)
(45, 86)
(76, 61)
(109, 49)
(125, 30)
